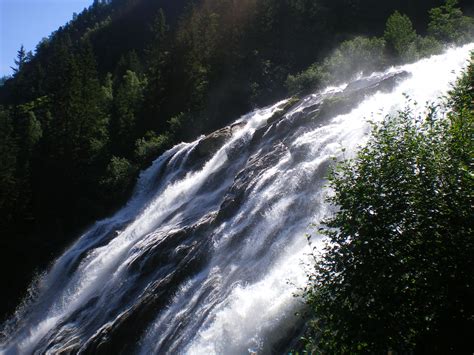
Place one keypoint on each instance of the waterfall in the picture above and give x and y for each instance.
(206, 255)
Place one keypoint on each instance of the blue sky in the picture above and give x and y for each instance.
(28, 21)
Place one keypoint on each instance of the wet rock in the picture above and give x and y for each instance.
(311, 109)
(283, 109)
(326, 106)
(235, 127)
(387, 82)
(242, 184)
(212, 142)
(183, 258)
(392, 80)
(355, 93)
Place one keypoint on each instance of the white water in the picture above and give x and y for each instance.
(208, 282)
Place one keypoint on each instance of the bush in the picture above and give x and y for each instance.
(150, 146)
(307, 80)
(360, 54)
(396, 273)
(119, 177)
(176, 124)
(427, 46)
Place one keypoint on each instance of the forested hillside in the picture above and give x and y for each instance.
(126, 79)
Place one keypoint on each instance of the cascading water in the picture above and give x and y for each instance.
(199, 260)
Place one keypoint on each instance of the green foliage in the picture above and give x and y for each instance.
(129, 61)
(78, 131)
(307, 80)
(400, 44)
(91, 117)
(400, 36)
(393, 275)
(3, 79)
(176, 124)
(31, 130)
(148, 148)
(20, 60)
(119, 177)
(426, 46)
(108, 91)
(157, 58)
(8, 161)
(127, 104)
(449, 25)
(358, 55)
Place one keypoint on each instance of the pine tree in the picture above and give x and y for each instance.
(400, 36)
(448, 24)
(20, 60)
(157, 61)
(127, 102)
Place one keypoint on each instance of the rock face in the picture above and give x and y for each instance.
(212, 142)
(215, 140)
(283, 109)
(343, 102)
(322, 109)
(374, 82)
(235, 127)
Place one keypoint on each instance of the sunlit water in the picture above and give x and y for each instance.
(206, 256)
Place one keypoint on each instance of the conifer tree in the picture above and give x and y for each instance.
(400, 36)
(20, 60)
(128, 99)
(449, 25)
(157, 61)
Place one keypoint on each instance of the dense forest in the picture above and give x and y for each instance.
(125, 80)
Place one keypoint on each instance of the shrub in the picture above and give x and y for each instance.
(176, 124)
(396, 272)
(150, 146)
(307, 80)
(360, 54)
(119, 177)
(427, 46)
